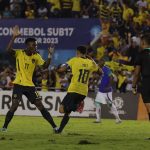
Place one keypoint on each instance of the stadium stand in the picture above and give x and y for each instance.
(122, 24)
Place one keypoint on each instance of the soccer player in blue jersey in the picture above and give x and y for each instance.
(104, 95)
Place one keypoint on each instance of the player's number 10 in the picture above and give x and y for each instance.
(83, 76)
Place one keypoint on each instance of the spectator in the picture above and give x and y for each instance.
(29, 12)
(54, 8)
(66, 8)
(76, 8)
(104, 10)
(7, 13)
(93, 10)
(45, 81)
(42, 12)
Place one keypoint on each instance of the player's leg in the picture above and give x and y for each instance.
(98, 112)
(148, 109)
(63, 123)
(35, 99)
(46, 115)
(115, 113)
(99, 100)
(64, 108)
(112, 107)
(16, 97)
(145, 92)
(70, 103)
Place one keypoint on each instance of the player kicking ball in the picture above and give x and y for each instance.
(104, 95)
(81, 68)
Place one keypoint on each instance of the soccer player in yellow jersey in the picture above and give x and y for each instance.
(26, 61)
(81, 68)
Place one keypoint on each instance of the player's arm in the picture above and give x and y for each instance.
(95, 65)
(15, 34)
(135, 78)
(95, 40)
(111, 80)
(50, 54)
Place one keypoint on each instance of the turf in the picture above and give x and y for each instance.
(34, 133)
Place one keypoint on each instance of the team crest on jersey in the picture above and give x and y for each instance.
(33, 61)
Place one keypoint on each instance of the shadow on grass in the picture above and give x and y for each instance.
(78, 134)
(84, 142)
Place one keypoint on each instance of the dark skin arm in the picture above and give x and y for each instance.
(136, 77)
(15, 34)
(48, 61)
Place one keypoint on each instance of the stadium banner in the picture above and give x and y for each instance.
(64, 33)
(127, 106)
(51, 101)
(126, 103)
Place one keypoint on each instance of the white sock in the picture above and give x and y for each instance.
(98, 112)
(115, 111)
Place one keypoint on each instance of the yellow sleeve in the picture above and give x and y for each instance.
(40, 60)
(17, 52)
(94, 67)
(71, 62)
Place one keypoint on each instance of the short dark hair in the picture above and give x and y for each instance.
(30, 40)
(82, 49)
(146, 38)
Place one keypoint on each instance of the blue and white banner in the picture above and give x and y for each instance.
(64, 33)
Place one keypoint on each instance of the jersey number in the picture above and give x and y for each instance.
(83, 76)
(26, 66)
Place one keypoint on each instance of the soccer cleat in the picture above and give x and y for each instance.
(3, 129)
(57, 131)
(97, 121)
(118, 121)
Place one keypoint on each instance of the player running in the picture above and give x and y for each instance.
(104, 95)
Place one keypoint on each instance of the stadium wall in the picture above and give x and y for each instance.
(127, 105)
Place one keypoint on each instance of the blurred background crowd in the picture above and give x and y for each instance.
(122, 22)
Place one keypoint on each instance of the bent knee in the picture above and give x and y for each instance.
(147, 107)
(61, 109)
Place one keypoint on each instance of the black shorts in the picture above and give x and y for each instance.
(145, 90)
(29, 91)
(71, 101)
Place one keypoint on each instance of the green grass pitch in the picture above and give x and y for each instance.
(34, 133)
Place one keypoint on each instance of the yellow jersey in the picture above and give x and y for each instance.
(25, 66)
(58, 84)
(44, 85)
(76, 5)
(127, 12)
(81, 71)
(56, 4)
(100, 52)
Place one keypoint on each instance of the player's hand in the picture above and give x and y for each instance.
(134, 90)
(16, 31)
(51, 49)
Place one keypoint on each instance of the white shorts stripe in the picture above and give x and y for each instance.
(103, 98)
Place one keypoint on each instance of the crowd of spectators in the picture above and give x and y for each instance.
(116, 9)
(122, 23)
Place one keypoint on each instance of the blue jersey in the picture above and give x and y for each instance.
(104, 85)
